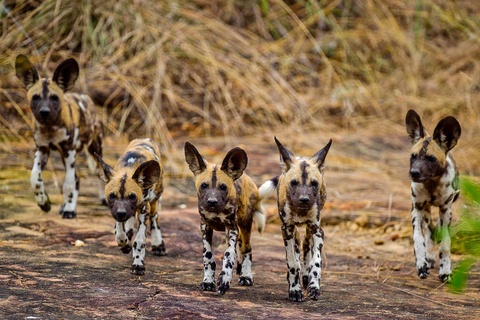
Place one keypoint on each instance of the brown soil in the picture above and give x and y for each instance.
(369, 266)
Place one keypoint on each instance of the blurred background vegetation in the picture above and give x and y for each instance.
(240, 67)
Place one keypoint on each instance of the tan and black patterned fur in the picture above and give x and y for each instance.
(434, 176)
(227, 201)
(65, 122)
(301, 194)
(133, 190)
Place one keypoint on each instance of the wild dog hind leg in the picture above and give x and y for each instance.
(36, 179)
(244, 267)
(158, 245)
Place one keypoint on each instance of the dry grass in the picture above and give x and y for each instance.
(169, 69)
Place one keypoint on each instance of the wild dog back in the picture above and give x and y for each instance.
(301, 194)
(434, 176)
(64, 122)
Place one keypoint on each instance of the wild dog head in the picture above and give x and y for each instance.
(429, 154)
(303, 178)
(215, 184)
(125, 189)
(46, 95)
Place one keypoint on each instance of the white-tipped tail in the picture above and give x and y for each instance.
(264, 192)
(267, 189)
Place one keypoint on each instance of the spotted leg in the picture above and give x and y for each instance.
(244, 267)
(315, 261)
(70, 186)
(225, 277)
(138, 252)
(428, 233)
(208, 283)
(36, 180)
(158, 246)
(292, 248)
(419, 244)
(124, 233)
(445, 270)
(307, 256)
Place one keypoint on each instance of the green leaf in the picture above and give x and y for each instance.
(460, 275)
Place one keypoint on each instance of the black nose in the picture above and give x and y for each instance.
(212, 202)
(44, 113)
(121, 215)
(304, 199)
(414, 173)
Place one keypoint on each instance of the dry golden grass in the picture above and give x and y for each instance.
(169, 69)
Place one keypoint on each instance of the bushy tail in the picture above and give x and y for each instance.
(265, 191)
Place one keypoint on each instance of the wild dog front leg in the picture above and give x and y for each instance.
(445, 270)
(158, 245)
(123, 234)
(292, 244)
(138, 252)
(419, 244)
(70, 186)
(36, 180)
(208, 283)
(315, 261)
(225, 277)
(307, 256)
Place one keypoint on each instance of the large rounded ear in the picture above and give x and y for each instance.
(320, 156)
(286, 156)
(415, 128)
(195, 161)
(235, 163)
(25, 71)
(66, 74)
(147, 174)
(107, 172)
(447, 132)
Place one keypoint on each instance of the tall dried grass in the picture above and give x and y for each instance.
(173, 68)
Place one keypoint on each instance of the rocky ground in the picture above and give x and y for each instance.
(368, 273)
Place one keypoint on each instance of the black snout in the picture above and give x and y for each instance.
(44, 113)
(121, 215)
(304, 199)
(414, 173)
(212, 202)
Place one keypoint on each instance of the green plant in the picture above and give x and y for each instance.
(466, 234)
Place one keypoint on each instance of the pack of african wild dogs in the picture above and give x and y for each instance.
(228, 199)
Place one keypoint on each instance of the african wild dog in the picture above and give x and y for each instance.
(227, 201)
(133, 189)
(63, 121)
(301, 194)
(434, 178)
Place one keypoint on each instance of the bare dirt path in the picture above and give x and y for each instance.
(369, 271)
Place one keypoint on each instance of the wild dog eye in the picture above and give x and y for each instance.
(112, 196)
(314, 183)
(223, 187)
(413, 156)
(35, 97)
(132, 196)
(431, 159)
(294, 183)
(204, 185)
(54, 98)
